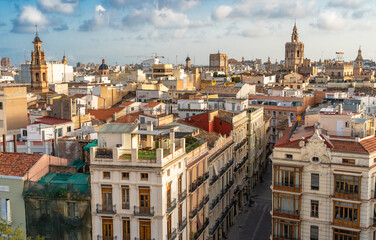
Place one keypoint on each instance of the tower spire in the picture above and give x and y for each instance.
(294, 36)
(36, 30)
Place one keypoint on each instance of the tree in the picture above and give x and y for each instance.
(6, 231)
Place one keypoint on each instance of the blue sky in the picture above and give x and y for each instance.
(89, 30)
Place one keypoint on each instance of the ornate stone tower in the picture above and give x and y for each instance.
(65, 60)
(38, 68)
(294, 51)
(188, 63)
(358, 64)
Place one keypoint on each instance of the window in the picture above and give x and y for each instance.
(125, 175)
(60, 132)
(287, 178)
(314, 234)
(168, 195)
(346, 213)
(289, 156)
(24, 133)
(142, 120)
(106, 175)
(347, 124)
(5, 210)
(315, 159)
(314, 208)
(126, 229)
(315, 181)
(69, 129)
(268, 112)
(125, 197)
(284, 229)
(72, 209)
(168, 172)
(345, 234)
(346, 186)
(284, 114)
(280, 113)
(1, 123)
(1, 105)
(348, 161)
(107, 228)
(144, 176)
(286, 204)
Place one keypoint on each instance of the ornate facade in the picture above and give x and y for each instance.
(294, 51)
(38, 68)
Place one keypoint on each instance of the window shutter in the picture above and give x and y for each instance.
(4, 208)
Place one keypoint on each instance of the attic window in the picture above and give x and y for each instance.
(315, 159)
(289, 156)
(348, 161)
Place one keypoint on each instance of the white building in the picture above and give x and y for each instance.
(136, 184)
(57, 72)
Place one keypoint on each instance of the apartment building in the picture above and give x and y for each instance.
(324, 181)
(258, 140)
(139, 182)
(281, 109)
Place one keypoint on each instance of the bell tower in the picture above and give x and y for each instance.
(38, 68)
(294, 51)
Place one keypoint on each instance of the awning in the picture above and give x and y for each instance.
(90, 145)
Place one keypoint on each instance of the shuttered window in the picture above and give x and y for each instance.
(315, 181)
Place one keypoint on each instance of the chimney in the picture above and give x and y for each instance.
(15, 142)
(4, 143)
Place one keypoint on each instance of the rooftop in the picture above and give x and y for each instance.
(17, 164)
(118, 128)
(52, 120)
(104, 114)
(152, 104)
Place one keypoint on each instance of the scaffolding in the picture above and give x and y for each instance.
(57, 207)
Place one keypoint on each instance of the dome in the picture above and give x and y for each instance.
(37, 39)
(103, 66)
(188, 59)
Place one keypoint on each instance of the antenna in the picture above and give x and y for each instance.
(36, 29)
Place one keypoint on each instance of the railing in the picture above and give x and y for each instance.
(171, 206)
(222, 171)
(286, 213)
(172, 235)
(201, 230)
(106, 208)
(241, 144)
(100, 237)
(289, 187)
(103, 153)
(125, 205)
(239, 165)
(182, 196)
(136, 238)
(206, 176)
(182, 224)
(284, 237)
(346, 195)
(126, 238)
(193, 213)
(143, 211)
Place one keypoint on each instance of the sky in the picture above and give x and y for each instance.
(126, 31)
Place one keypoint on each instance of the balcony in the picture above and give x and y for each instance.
(100, 237)
(172, 235)
(182, 224)
(106, 208)
(197, 183)
(125, 206)
(214, 202)
(193, 213)
(287, 187)
(222, 171)
(136, 238)
(143, 211)
(171, 206)
(126, 238)
(201, 230)
(346, 195)
(182, 196)
(240, 145)
(286, 213)
(103, 153)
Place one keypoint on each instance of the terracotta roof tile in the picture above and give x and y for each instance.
(124, 104)
(17, 164)
(51, 120)
(129, 118)
(104, 114)
(152, 104)
(369, 144)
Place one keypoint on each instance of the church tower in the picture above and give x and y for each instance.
(65, 60)
(294, 51)
(358, 64)
(38, 68)
(188, 63)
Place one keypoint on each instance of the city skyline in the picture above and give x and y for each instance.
(88, 31)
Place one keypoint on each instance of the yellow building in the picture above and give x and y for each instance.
(162, 70)
(13, 108)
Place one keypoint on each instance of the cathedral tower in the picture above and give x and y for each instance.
(188, 63)
(38, 68)
(358, 64)
(294, 51)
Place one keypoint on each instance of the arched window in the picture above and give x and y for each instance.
(297, 53)
(37, 77)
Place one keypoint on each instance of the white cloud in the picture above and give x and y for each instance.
(26, 20)
(256, 31)
(101, 19)
(346, 3)
(330, 20)
(166, 17)
(180, 33)
(222, 12)
(59, 6)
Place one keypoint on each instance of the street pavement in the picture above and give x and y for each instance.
(254, 223)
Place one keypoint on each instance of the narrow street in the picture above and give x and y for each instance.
(254, 223)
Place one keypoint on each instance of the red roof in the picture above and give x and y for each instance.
(51, 120)
(124, 104)
(104, 114)
(129, 118)
(152, 104)
(17, 164)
